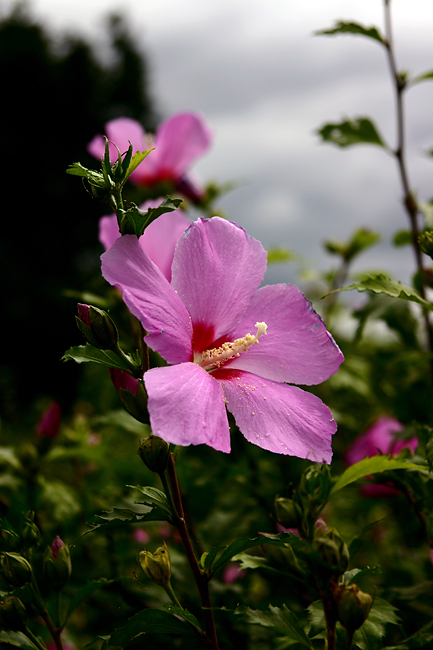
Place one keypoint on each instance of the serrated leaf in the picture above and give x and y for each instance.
(380, 283)
(240, 545)
(88, 353)
(360, 130)
(136, 159)
(83, 592)
(342, 27)
(316, 616)
(134, 221)
(369, 636)
(17, 639)
(422, 77)
(373, 465)
(419, 639)
(282, 621)
(149, 621)
(120, 516)
(154, 497)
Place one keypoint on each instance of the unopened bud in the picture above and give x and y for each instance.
(288, 512)
(316, 484)
(333, 549)
(156, 566)
(132, 394)
(49, 424)
(97, 326)
(16, 569)
(13, 615)
(426, 242)
(31, 535)
(353, 606)
(154, 453)
(57, 563)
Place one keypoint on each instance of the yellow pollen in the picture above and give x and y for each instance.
(216, 357)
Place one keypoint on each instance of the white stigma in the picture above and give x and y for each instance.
(216, 357)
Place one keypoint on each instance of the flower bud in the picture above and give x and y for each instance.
(154, 453)
(16, 569)
(353, 606)
(13, 615)
(132, 394)
(31, 535)
(316, 484)
(57, 563)
(288, 512)
(49, 424)
(97, 326)
(156, 566)
(426, 242)
(333, 549)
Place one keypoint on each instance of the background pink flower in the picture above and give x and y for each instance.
(159, 238)
(201, 323)
(178, 142)
(49, 424)
(380, 438)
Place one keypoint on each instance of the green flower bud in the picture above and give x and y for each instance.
(57, 563)
(97, 326)
(13, 615)
(316, 484)
(31, 535)
(353, 606)
(154, 453)
(426, 242)
(16, 569)
(156, 566)
(288, 513)
(333, 549)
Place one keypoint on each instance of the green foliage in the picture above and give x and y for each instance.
(89, 354)
(149, 621)
(355, 29)
(360, 130)
(373, 465)
(280, 620)
(360, 241)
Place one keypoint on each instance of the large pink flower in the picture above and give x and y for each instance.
(380, 438)
(158, 240)
(178, 142)
(201, 323)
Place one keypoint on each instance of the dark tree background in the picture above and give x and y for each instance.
(54, 100)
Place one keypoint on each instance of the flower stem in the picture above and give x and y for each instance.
(409, 201)
(200, 577)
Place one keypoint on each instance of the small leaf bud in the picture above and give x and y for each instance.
(57, 563)
(288, 512)
(16, 569)
(154, 453)
(13, 615)
(31, 535)
(333, 548)
(156, 566)
(353, 606)
(97, 326)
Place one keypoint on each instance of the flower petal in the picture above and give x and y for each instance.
(150, 297)
(120, 132)
(108, 231)
(217, 268)
(179, 141)
(297, 348)
(280, 418)
(186, 406)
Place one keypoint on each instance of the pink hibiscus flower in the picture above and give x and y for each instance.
(379, 439)
(159, 238)
(201, 323)
(178, 142)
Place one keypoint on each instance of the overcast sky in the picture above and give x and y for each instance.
(264, 83)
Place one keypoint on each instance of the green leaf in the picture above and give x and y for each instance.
(208, 559)
(120, 516)
(8, 457)
(123, 420)
(369, 636)
(380, 283)
(373, 465)
(282, 621)
(95, 178)
(134, 221)
(317, 618)
(350, 576)
(240, 545)
(185, 614)
(419, 639)
(88, 353)
(342, 27)
(361, 130)
(136, 159)
(149, 621)
(83, 592)
(153, 496)
(402, 238)
(279, 255)
(422, 77)
(17, 639)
